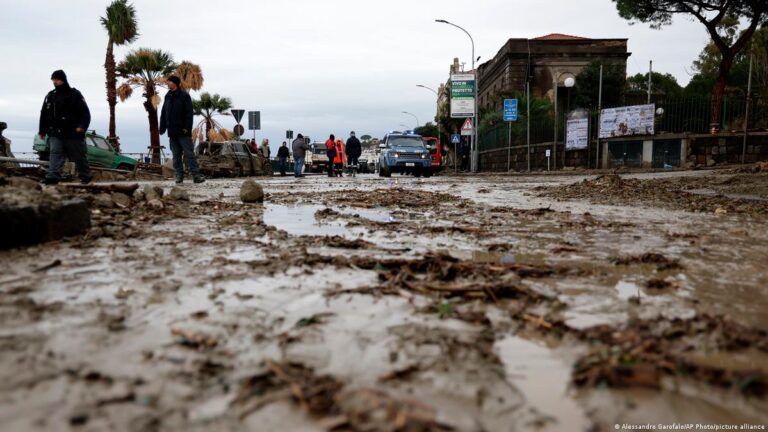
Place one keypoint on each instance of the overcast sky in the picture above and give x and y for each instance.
(316, 67)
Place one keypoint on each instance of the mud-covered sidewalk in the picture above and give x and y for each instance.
(492, 303)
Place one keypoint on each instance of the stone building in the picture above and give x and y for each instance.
(545, 60)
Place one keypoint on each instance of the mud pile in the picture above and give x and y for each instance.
(29, 216)
(707, 194)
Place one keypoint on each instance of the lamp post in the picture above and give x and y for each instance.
(477, 84)
(414, 116)
(437, 110)
(569, 82)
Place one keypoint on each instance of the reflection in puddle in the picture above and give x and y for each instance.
(543, 380)
(628, 290)
(300, 220)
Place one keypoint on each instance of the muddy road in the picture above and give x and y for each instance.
(549, 302)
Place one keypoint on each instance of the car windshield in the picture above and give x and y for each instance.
(405, 142)
(319, 149)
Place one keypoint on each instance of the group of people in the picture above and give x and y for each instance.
(264, 150)
(65, 117)
(340, 153)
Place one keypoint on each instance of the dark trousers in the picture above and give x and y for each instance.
(72, 149)
(330, 169)
(282, 165)
(182, 146)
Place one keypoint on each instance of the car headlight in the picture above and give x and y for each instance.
(424, 155)
(394, 155)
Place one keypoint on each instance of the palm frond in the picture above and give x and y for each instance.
(121, 23)
(190, 74)
(124, 91)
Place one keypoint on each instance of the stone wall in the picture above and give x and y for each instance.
(710, 150)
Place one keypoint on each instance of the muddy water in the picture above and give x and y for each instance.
(99, 335)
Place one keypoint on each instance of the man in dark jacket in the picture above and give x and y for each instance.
(354, 149)
(282, 158)
(176, 118)
(64, 118)
(300, 148)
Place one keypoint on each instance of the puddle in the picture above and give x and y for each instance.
(628, 290)
(543, 380)
(300, 219)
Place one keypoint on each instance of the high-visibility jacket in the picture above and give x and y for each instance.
(340, 158)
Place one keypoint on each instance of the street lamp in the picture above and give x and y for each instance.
(437, 111)
(414, 116)
(477, 84)
(569, 82)
(428, 88)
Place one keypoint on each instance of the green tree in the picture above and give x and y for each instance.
(209, 106)
(586, 92)
(122, 28)
(428, 129)
(712, 14)
(147, 69)
(706, 66)
(661, 84)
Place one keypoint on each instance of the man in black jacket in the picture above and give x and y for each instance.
(64, 118)
(354, 149)
(282, 158)
(176, 118)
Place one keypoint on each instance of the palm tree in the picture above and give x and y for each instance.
(121, 26)
(146, 69)
(209, 106)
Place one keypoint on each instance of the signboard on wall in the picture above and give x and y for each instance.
(577, 134)
(462, 95)
(627, 121)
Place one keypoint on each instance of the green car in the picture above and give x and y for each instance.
(100, 153)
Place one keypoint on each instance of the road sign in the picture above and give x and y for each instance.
(455, 139)
(510, 109)
(254, 120)
(239, 130)
(289, 134)
(462, 95)
(238, 114)
(467, 128)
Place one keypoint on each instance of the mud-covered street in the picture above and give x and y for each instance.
(490, 303)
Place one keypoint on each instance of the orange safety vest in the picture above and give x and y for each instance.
(341, 157)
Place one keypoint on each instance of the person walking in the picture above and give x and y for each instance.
(354, 150)
(65, 118)
(340, 158)
(300, 147)
(282, 158)
(265, 148)
(176, 119)
(330, 145)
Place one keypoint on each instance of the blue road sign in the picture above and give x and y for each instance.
(455, 139)
(510, 109)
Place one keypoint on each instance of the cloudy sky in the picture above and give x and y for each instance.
(316, 67)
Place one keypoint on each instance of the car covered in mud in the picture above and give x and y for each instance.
(404, 153)
(99, 152)
(318, 158)
(367, 161)
(227, 159)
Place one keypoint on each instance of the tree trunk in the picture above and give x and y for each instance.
(109, 65)
(154, 128)
(718, 90)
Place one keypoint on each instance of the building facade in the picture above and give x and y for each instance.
(546, 62)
